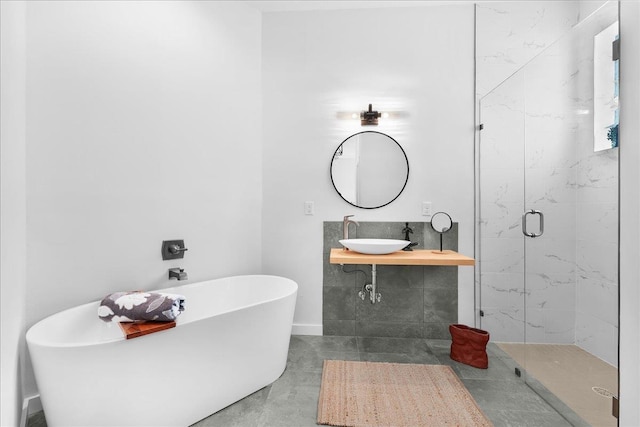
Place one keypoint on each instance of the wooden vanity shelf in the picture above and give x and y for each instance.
(415, 257)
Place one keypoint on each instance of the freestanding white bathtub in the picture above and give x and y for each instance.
(231, 340)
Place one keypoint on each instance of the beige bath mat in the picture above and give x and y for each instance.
(359, 394)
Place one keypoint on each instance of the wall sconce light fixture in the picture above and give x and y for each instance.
(370, 117)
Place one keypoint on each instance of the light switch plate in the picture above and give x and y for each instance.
(426, 209)
(308, 208)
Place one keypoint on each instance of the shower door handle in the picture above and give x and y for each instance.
(524, 223)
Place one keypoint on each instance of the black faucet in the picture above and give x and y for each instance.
(177, 273)
(408, 230)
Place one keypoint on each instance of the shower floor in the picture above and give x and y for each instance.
(571, 374)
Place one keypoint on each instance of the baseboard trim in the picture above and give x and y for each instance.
(24, 414)
(306, 329)
(27, 404)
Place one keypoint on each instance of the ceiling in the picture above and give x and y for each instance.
(302, 5)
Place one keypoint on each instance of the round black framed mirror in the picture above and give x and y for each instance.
(369, 169)
(441, 223)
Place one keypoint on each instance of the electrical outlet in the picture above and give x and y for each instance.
(308, 208)
(426, 209)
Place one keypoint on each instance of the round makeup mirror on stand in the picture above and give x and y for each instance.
(441, 223)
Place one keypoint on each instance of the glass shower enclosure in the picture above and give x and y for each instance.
(548, 220)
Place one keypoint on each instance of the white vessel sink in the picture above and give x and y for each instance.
(374, 246)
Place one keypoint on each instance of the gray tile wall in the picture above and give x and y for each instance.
(417, 301)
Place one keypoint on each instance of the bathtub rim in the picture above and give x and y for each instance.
(34, 329)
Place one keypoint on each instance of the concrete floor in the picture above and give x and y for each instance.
(292, 400)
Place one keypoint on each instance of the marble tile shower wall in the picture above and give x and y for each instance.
(529, 161)
(508, 35)
(501, 179)
(538, 143)
(417, 301)
(596, 216)
(550, 161)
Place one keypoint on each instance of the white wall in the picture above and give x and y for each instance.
(12, 206)
(629, 213)
(143, 124)
(315, 64)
